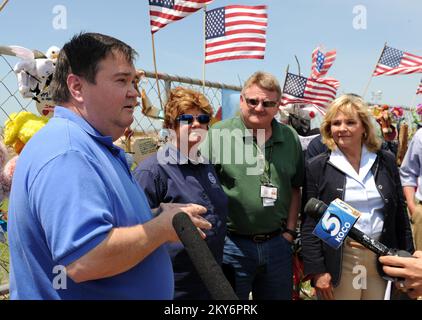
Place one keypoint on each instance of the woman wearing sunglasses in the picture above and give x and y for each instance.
(178, 173)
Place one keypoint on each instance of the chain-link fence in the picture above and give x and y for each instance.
(11, 101)
(212, 90)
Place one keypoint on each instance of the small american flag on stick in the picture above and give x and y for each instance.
(163, 12)
(394, 61)
(298, 89)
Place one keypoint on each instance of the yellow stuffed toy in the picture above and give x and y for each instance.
(20, 127)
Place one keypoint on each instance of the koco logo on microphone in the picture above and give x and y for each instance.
(336, 223)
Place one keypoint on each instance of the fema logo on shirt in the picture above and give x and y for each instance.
(212, 179)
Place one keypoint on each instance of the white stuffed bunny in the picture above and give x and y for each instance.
(34, 71)
(33, 76)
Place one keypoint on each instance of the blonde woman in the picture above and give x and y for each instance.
(355, 170)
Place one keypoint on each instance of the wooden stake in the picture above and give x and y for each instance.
(3, 4)
(156, 72)
(370, 79)
(203, 67)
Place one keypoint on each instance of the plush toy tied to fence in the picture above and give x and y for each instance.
(34, 73)
(18, 129)
(385, 120)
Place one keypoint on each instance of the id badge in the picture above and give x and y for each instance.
(267, 202)
(269, 191)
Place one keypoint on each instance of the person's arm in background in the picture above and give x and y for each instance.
(296, 184)
(293, 213)
(410, 171)
(403, 230)
(409, 195)
(408, 268)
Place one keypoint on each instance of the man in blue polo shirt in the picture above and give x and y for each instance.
(79, 225)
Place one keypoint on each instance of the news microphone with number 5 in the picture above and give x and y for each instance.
(334, 227)
(336, 222)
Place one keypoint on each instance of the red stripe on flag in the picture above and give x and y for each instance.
(235, 58)
(220, 43)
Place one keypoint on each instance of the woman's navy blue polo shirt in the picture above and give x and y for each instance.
(169, 176)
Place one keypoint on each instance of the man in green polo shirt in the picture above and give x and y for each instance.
(260, 165)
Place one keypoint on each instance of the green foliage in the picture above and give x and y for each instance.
(4, 263)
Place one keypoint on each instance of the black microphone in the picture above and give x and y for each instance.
(316, 208)
(203, 260)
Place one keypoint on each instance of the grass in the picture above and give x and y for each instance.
(4, 263)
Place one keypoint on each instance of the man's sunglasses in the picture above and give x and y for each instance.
(189, 118)
(255, 102)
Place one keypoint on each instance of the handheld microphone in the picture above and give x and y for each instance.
(203, 260)
(316, 209)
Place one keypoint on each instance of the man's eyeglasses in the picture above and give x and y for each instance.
(189, 118)
(255, 102)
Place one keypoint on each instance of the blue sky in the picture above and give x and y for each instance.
(296, 27)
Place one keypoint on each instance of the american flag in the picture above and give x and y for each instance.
(419, 91)
(235, 32)
(163, 12)
(298, 89)
(321, 62)
(330, 81)
(394, 61)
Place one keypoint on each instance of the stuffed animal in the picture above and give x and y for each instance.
(33, 76)
(17, 131)
(5, 186)
(403, 143)
(128, 134)
(4, 178)
(34, 73)
(300, 117)
(20, 127)
(140, 75)
(384, 119)
(148, 109)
